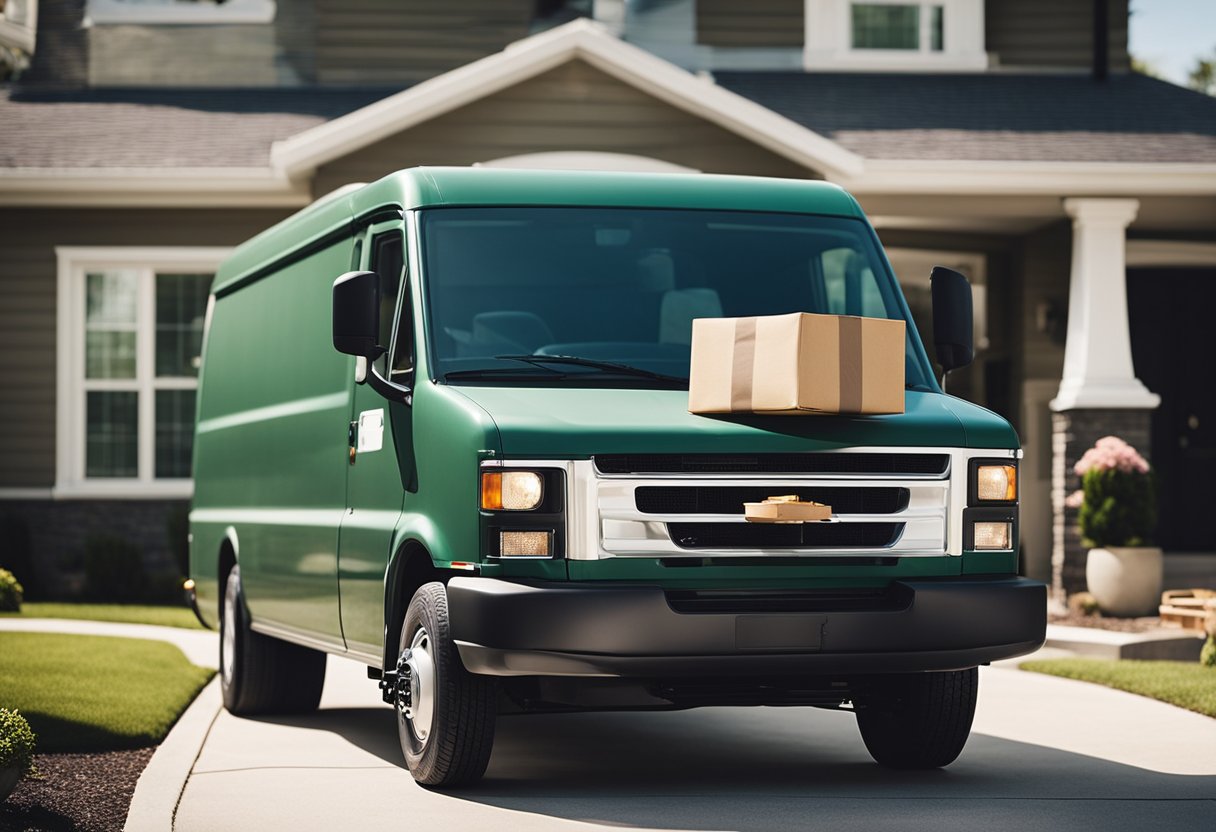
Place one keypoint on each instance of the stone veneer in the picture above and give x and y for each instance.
(1073, 432)
(58, 531)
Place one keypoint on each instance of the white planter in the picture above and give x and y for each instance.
(1125, 580)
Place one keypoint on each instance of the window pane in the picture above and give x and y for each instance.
(181, 304)
(174, 432)
(882, 26)
(936, 38)
(110, 324)
(111, 434)
(109, 354)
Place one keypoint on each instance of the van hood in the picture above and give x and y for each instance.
(542, 422)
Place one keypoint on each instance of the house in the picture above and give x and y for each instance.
(1006, 138)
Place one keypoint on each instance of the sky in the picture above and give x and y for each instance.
(1170, 34)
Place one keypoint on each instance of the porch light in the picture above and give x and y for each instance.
(990, 536)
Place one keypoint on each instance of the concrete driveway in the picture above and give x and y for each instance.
(1046, 753)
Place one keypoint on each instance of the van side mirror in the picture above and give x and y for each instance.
(356, 321)
(952, 318)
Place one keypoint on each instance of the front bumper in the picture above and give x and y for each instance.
(503, 628)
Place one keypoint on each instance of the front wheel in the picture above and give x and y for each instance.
(918, 720)
(446, 722)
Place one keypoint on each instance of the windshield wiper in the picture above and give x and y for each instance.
(606, 366)
(505, 372)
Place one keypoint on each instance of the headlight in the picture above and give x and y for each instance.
(996, 483)
(511, 490)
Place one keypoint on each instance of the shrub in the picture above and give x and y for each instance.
(11, 592)
(114, 570)
(1207, 656)
(1119, 495)
(16, 742)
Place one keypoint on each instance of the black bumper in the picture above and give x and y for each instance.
(504, 628)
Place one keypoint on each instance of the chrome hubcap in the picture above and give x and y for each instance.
(420, 712)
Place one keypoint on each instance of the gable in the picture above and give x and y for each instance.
(573, 107)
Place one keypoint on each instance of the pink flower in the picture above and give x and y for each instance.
(1075, 499)
(1112, 452)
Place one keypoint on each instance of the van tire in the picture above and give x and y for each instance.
(456, 749)
(918, 720)
(263, 675)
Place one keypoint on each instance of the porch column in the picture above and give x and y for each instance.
(1099, 394)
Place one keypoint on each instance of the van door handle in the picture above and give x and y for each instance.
(352, 438)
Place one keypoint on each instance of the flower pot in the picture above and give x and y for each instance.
(1125, 580)
(9, 778)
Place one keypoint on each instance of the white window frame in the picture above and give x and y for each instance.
(73, 264)
(829, 38)
(20, 34)
(176, 12)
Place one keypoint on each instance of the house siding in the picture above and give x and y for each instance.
(759, 23)
(405, 41)
(28, 270)
(1051, 34)
(572, 107)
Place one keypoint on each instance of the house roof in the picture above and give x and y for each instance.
(992, 116)
(162, 128)
(872, 132)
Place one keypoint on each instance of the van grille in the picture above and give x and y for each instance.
(817, 463)
(784, 535)
(708, 499)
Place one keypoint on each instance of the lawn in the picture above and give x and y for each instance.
(126, 613)
(1185, 684)
(96, 693)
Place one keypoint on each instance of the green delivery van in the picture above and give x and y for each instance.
(443, 430)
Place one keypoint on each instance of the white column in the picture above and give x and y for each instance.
(1098, 370)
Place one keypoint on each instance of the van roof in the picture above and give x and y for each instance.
(434, 187)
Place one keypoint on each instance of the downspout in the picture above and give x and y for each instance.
(1101, 66)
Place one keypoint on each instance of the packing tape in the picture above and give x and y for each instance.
(850, 365)
(742, 364)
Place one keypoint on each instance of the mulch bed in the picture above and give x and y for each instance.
(75, 793)
(1099, 622)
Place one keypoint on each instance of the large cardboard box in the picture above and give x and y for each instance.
(798, 363)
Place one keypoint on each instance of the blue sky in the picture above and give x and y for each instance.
(1171, 34)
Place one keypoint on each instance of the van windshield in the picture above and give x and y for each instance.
(610, 294)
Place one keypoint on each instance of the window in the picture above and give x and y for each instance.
(898, 26)
(176, 12)
(130, 345)
(844, 35)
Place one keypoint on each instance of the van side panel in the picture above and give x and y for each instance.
(271, 449)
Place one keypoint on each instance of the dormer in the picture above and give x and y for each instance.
(886, 35)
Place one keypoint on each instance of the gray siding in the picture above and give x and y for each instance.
(28, 317)
(758, 23)
(1051, 34)
(572, 107)
(405, 41)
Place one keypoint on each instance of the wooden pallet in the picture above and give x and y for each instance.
(1188, 608)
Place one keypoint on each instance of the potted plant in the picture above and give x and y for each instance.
(16, 751)
(1118, 514)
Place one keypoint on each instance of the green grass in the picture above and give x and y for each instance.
(96, 693)
(1185, 684)
(126, 613)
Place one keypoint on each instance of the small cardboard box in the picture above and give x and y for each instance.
(786, 510)
(797, 363)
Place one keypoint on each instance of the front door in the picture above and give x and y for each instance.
(380, 448)
(1174, 349)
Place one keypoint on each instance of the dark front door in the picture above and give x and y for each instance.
(1171, 312)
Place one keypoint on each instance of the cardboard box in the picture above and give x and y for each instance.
(786, 510)
(798, 363)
